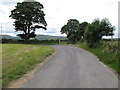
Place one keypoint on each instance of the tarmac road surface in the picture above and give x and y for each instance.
(73, 67)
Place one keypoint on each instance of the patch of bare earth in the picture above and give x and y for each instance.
(27, 50)
(26, 77)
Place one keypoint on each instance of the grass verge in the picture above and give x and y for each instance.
(17, 59)
(110, 59)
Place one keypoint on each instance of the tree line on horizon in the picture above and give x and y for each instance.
(91, 33)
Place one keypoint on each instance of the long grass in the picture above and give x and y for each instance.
(107, 52)
(17, 59)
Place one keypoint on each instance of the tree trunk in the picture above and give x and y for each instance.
(111, 38)
(28, 36)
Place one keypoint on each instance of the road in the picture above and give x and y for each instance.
(72, 67)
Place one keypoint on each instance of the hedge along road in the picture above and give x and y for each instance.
(72, 67)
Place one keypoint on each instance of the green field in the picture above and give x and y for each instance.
(17, 59)
(107, 52)
(53, 43)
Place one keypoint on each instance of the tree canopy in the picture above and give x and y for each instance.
(74, 30)
(28, 16)
(90, 32)
(96, 30)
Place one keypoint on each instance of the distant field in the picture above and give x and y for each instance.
(17, 59)
(107, 52)
(53, 43)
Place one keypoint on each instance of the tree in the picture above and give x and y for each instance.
(91, 36)
(108, 30)
(81, 30)
(96, 30)
(28, 16)
(70, 29)
(64, 29)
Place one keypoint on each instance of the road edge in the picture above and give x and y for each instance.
(26, 77)
(102, 63)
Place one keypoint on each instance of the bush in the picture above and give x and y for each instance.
(111, 46)
(96, 30)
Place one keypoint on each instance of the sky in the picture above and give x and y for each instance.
(58, 12)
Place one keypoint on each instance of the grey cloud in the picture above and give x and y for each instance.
(52, 30)
(7, 3)
(8, 31)
(49, 31)
(4, 23)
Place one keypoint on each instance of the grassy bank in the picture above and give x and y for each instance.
(17, 59)
(107, 53)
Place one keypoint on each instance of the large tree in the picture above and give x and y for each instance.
(28, 16)
(70, 29)
(74, 30)
(96, 30)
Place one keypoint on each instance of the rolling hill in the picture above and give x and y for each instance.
(39, 37)
(9, 37)
(48, 37)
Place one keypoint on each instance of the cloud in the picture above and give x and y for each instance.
(8, 3)
(11, 34)
(49, 31)
(52, 30)
(59, 11)
(2, 11)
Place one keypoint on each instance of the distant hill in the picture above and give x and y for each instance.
(39, 37)
(48, 37)
(9, 37)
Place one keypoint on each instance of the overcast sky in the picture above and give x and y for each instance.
(58, 12)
